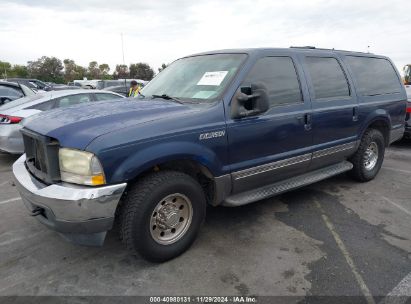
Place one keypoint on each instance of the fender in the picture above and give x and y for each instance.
(377, 115)
(160, 153)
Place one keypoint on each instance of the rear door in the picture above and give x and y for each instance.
(273, 145)
(334, 108)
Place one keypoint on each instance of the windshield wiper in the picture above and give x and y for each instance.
(142, 95)
(167, 97)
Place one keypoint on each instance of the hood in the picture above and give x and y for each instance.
(77, 126)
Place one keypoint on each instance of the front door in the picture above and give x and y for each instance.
(275, 144)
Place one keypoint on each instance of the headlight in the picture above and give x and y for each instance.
(80, 167)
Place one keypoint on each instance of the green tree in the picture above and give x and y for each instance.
(69, 70)
(163, 66)
(121, 71)
(93, 70)
(5, 69)
(141, 71)
(81, 72)
(46, 69)
(19, 71)
(104, 71)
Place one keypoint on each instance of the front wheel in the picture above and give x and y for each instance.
(368, 159)
(162, 215)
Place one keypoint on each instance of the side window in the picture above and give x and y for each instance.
(279, 77)
(44, 106)
(72, 100)
(104, 96)
(10, 91)
(327, 77)
(375, 76)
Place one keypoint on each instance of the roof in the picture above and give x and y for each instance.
(292, 49)
(25, 102)
(9, 83)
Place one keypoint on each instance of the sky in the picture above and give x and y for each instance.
(159, 31)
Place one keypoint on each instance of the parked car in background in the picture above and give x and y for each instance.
(87, 83)
(102, 84)
(33, 84)
(121, 89)
(13, 113)
(74, 84)
(10, 91)
(407, 133)
(221, 128)
(59, 87)
(124, 86)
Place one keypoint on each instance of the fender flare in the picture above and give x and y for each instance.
(149, 157)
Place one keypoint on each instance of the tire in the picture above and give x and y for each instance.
(155, 202)
(366, 167)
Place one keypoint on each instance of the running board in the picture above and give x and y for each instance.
(286, 185)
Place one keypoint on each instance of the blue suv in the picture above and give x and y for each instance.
(226, 127)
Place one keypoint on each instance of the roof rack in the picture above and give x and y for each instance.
(303, 47)
(308, 47)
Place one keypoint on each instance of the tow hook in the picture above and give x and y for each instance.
(37, 211)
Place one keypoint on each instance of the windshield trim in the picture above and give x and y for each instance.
(193, 101)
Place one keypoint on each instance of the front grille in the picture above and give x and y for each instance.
(41, 156)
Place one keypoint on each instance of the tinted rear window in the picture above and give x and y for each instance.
(327, 77)
(375, 76)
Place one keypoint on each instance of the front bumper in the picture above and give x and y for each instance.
(11, 140)
(82, 214)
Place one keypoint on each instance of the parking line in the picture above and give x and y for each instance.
(10, 200)
(366, 292)
(396, 205)
(401, 293)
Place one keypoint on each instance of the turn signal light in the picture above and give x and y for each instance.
(6, 119)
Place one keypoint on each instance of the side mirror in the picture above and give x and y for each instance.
(249, 101)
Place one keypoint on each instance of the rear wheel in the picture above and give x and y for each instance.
(162, 214)
(369, 157)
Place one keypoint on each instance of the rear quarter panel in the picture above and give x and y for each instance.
(389, 108)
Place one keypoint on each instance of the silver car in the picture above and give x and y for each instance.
(12, 113)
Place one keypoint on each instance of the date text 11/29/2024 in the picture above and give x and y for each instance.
(204, 299)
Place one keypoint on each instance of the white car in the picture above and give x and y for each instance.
(12, 113)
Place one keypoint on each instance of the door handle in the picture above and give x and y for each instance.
(355, 113)
(307, 121)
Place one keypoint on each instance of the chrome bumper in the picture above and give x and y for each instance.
(83, 214)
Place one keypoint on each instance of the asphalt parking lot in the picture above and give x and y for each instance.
(333, 238)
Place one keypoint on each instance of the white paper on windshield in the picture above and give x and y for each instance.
(212, 78)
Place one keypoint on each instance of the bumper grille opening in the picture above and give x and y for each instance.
(41, 156)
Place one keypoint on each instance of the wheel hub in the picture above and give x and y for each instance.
(171, 219)
(371, 156)
(168, 216)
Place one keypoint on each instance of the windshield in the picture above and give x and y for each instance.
(198, 78)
